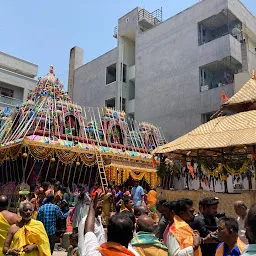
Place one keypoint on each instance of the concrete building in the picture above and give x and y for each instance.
(16, 80)
(171, 72)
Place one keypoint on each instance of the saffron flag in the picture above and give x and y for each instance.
(153, 162)
(224, 96)
(191, 170)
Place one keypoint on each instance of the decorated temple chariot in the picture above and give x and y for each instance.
(49, 137)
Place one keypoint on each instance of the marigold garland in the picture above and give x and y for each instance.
(88, 160)
(66, 157)
(3, 154)
(213, 173)
(239, 171)
(136, 176)
(14, 151)
(40, 153)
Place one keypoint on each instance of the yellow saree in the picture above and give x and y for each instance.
(32, 233)
(4, 226)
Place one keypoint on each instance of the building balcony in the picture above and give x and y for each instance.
(17, 65)
(220, 49)
(17, 79)
(218, 73)
(211, 99)
(131, 73)
(9, 102)
(148, 20)
(131, 106)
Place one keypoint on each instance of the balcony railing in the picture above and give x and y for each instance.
(115, 32)
(8, 101)
(150, 19)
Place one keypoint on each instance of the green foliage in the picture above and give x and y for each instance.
(167, 167)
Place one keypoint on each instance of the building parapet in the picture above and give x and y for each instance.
(17, 65)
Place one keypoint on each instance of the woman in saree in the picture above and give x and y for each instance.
(107, 203)
(152, 198)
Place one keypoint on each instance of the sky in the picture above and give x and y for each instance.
(43, 32)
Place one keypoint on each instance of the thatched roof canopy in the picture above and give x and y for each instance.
(226, 134)
(244, 99)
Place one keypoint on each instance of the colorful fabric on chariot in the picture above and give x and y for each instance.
(32, 233)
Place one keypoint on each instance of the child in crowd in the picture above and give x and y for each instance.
(73, 248)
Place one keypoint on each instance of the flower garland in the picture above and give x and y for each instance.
(87, 159)
(14, 151)
(66, 157)
(147, 176)
(125, 175)
(40, 153)
(3, 154)
(136, 176)
(213, 173)
(239, 171)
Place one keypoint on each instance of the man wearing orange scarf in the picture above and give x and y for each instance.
(228, 234)
(181, 239)
(120, 232)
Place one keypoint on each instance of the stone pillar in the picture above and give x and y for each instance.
(76, 60)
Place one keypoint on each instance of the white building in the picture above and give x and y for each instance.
(17, 79)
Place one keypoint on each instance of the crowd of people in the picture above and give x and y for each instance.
(123, 221)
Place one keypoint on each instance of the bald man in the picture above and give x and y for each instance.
(6, 220)
(140, 210)
(242, 211)
(145, 242)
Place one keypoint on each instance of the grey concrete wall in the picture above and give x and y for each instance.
(243, 14)
(90, 81)
(128, 22)
(167, 70)
(211, 100)
(17, 91)
(17, 65)
(25, 84)
(218, 49)
(251, 53)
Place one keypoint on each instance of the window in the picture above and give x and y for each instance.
(111, 74)
(124, 72)
(131, 90)
(6, 92)
(206, 117)
(110, 103)
(123, 104)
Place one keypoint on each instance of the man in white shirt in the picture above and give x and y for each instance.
(98, 230)
(178, 229)
(242, 211)
(120, 232)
